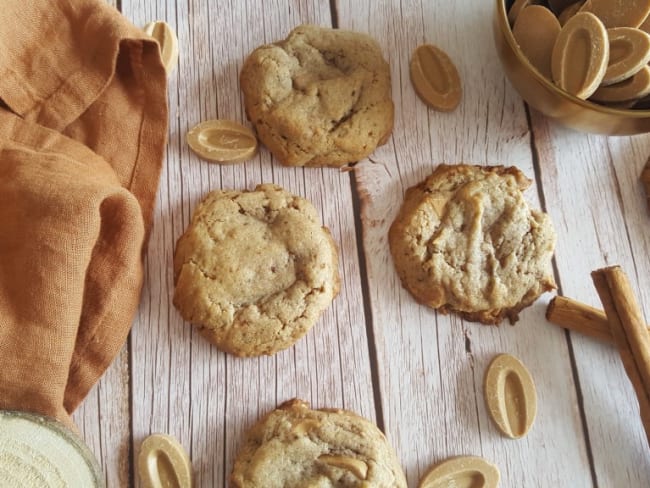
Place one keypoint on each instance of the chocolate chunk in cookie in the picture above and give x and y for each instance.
(255, 270)
(321, 97)
(466, 241)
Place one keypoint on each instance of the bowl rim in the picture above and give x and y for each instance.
(510, 39)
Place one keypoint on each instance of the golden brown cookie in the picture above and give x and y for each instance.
(255, 270)
(466, 241)
(321, 97)
(296, 447)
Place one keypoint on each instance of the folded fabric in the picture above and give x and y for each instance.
(82, 138)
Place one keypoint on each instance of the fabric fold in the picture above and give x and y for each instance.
(83, 124)
(80, 68)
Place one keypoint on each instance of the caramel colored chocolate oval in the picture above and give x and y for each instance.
(634, 88)
(163, 463)
(517, 7)
(435, 78)
(461, 472)
(629, 51)
(619, 13)
(510, 396)
(580, 55)
(167, 40)
(536, 31)
(223, 141)
(356, 467)
(569, 12)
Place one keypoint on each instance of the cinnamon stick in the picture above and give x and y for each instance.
(629, 332)
(645, 180)
(576, 316)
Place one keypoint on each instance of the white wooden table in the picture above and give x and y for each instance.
(417, 374)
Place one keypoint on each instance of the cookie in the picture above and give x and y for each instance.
(321, 97)
(296, 447)
(254, 270)
(466, 241)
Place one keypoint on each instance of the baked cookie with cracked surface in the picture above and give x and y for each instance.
(321, 97)
(255, 269)
(466, 241)
(297, 447)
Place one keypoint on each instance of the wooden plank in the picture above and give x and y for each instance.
(594, 195)
(104, 422)
(182, 385)
(431, 367)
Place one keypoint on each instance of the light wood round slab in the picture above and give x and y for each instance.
(38, 452)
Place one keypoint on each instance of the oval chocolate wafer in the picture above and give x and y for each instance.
(536, 31)
(223, 141)
(462, 472)
(619, 13)
(517, 7)
(164, 463)
(569, 12)
(580, 55)
(629, 51)
(510, 396)
(435, 78)
(163, 33)
(634, 88)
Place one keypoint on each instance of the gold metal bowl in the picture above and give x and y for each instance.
(553, 102)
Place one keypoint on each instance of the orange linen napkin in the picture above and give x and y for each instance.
(82, 138)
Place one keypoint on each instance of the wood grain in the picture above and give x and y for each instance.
(594, 196)
(431, 367)
(104, 422)
(428, 368)
(181, 385)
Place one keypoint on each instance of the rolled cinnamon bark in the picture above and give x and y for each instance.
(629, 332)
(576, 316)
